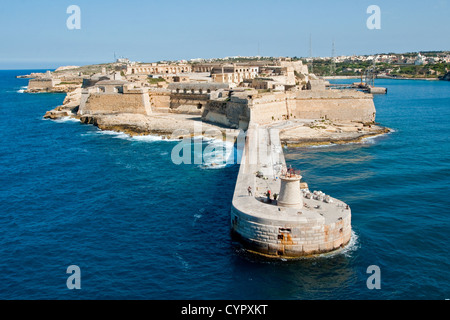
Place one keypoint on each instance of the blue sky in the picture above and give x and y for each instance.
(33, 33)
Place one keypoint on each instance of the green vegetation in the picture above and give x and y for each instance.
(155, 80)
(325, 68)
(424, 71)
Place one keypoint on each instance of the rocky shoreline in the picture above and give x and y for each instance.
(322, 132)
(57, 89)
(294, 133)
(69, 108)
(172, 125)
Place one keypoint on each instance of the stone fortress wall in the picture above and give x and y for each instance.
(128, 101)
(42, 84)
(48, 82)
(328, 104)
(159, 100)
(232, 112)
(266, 108)
(191, 98)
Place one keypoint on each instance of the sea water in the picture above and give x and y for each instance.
(140, 227)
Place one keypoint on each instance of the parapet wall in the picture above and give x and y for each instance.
(100, 103)
(327, 104)
(192, 103)
(160, 100)
(233, 113)
(306, 104)
(42, 84)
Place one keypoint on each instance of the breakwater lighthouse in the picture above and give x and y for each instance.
(295, 223)
(290, 194)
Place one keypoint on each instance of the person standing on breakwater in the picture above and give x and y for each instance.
(268, 197)
(249, 191)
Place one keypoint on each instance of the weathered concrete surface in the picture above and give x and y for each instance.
(275, 231)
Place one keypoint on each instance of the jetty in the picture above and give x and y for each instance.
(289, 221)
(361, 86)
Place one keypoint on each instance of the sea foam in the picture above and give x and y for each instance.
(66, 119)
(217, 154)
(22, 89)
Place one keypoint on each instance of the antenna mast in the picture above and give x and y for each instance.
(333, 63)
(310, 53)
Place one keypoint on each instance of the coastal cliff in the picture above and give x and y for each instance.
(69, 108)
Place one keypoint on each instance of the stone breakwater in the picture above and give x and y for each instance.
(315, 223)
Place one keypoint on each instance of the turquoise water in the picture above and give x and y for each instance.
(141, 227)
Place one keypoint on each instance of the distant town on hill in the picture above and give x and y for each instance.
(424, 64)
(411, 65)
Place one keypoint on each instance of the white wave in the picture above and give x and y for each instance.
(113, 134)
(124, 136)
(108, 132)
(86, 134)
(321, 146)
(373, 139)
(218, 154)
(22, 89)
(369, 140)
(347, 251)
(152, 138)
(213, 166)
(184, 263)
(352, 246)
(196, 218)
(147, 138)
(120, 135)
(67, 119)
(205, 138)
